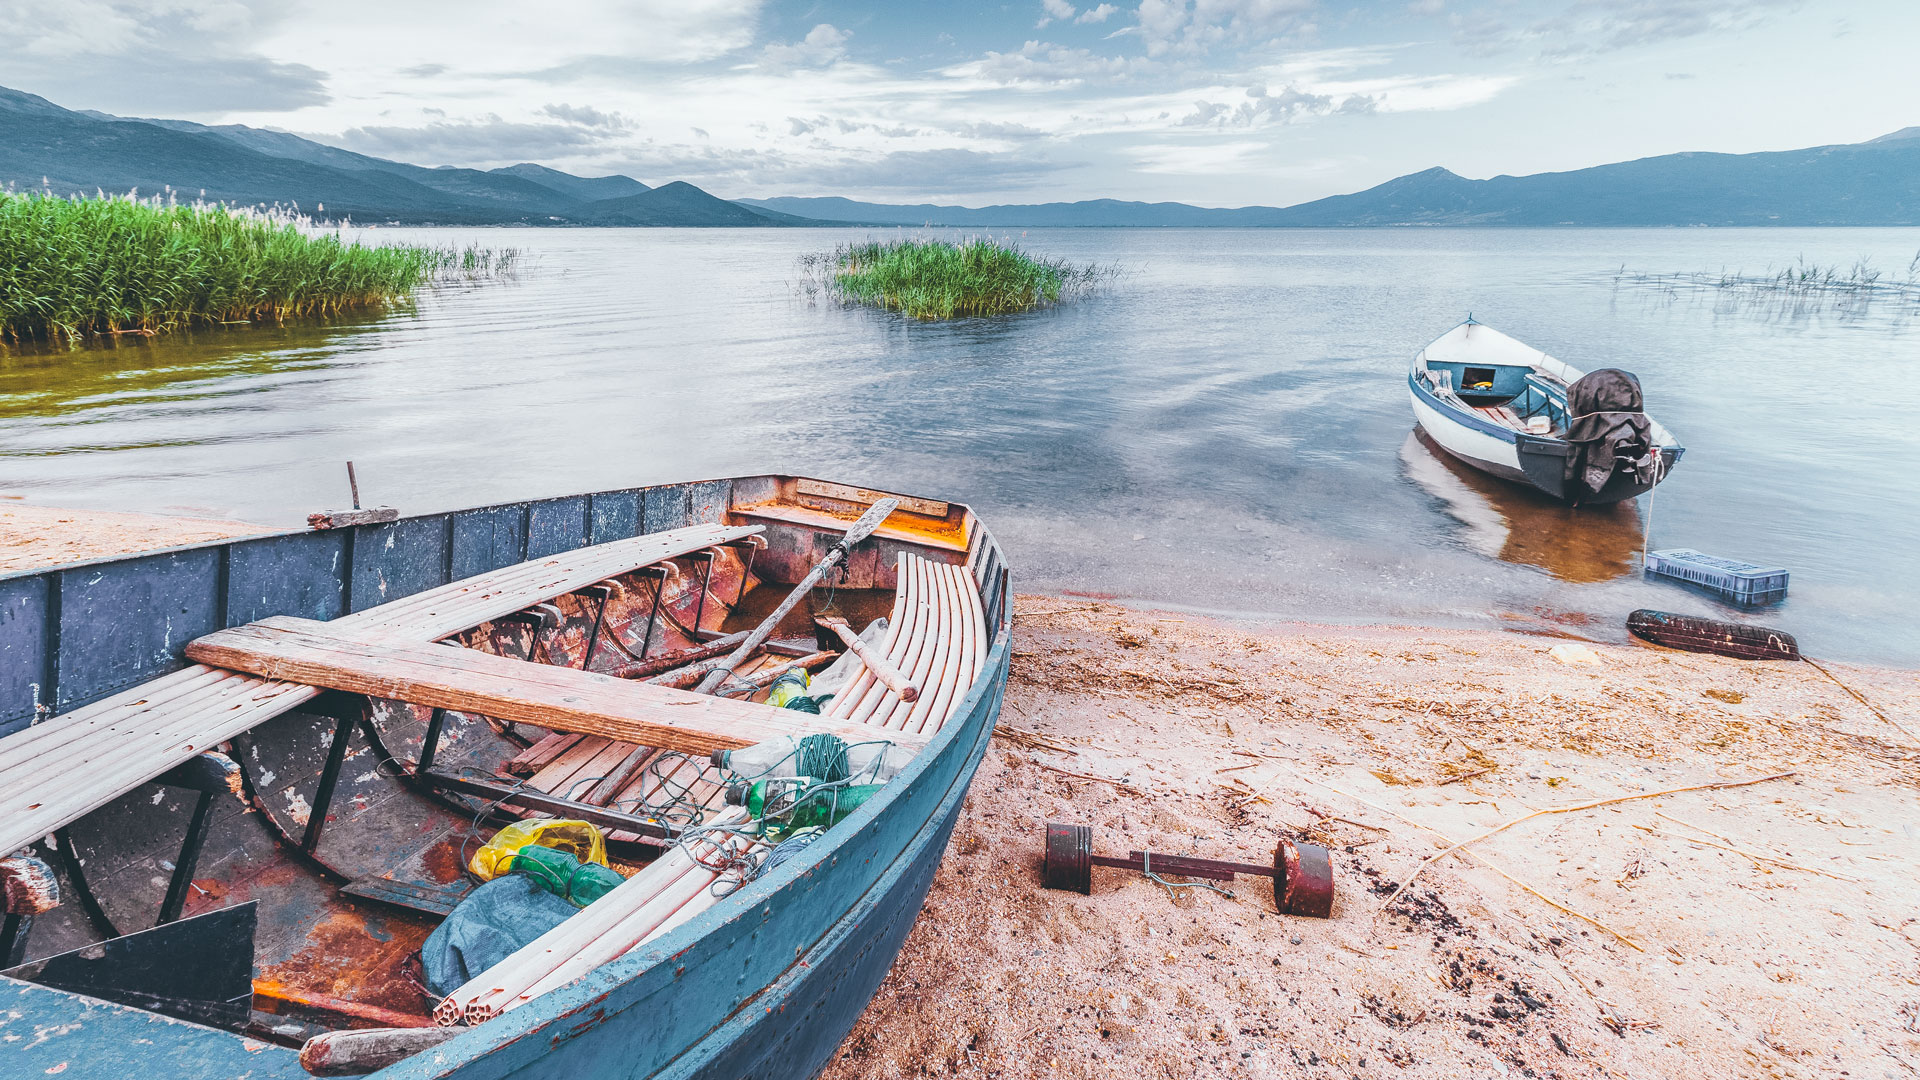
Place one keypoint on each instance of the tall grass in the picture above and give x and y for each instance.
(74, 268)
(940, 279)
(1800, 289)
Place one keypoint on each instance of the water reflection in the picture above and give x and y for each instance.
(1519, 525)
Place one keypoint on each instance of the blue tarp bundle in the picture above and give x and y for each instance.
(491, 924)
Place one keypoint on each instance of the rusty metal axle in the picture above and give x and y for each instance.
(1302, 873)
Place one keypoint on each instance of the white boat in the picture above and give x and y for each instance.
(1502, 406)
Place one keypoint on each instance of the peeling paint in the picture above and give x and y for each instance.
(298, 809)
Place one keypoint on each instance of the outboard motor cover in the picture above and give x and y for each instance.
(1609, 431)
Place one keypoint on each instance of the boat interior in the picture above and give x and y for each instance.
(274, 830)
(1524, 398)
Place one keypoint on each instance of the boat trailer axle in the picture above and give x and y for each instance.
(1302, 873)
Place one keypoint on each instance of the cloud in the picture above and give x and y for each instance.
(474, 143)
(1054, 9)
(1592, 27)
(823, 45)
(1041, 63)
(588, 116)
(179, 57)
(1098, 14)
(1195, 27)
(1196, 158)
(1287, 106)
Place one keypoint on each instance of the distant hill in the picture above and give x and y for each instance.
(680, 203)
(584, 188)
(1870, 183)
(68, 151)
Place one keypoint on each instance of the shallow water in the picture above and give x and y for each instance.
(1226, 428)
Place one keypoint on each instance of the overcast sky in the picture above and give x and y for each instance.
(1217, 102)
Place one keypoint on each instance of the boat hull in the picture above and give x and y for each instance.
(766, 984)
(1538, 463)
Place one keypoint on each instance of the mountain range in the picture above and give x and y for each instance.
(43, 145)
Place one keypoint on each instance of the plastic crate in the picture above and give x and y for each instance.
(1741, 582)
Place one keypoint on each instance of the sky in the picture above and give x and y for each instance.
(1212, 102)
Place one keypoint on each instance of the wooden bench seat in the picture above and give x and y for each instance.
(72, 764)
(466, 680)
(936, 636)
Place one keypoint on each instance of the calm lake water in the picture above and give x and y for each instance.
(1225, 429)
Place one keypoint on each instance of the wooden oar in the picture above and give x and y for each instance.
(879, 665)
(862, 529)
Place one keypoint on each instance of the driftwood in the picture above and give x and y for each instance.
(342, 519)
(356, 1053)
(654, 665)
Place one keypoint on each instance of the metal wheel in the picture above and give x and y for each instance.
(1069, 858)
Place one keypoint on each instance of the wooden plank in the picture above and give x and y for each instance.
(868, 497)
(534, 758)
(563, 768)
(944, 535)
(464, 604)
(560, 699)
(344, 519)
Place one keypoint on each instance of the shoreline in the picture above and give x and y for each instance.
(34, 537)
(1765, 929)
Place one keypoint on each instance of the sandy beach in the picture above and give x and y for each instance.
(1758, 921)
(33, 536)
(1754, 931)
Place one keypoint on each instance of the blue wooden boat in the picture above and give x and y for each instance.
(1512, 411)
(110, 818)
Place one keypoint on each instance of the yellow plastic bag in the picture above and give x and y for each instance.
(578, 838)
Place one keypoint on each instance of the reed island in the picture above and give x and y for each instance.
(943, 279)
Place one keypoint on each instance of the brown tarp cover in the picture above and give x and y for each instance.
(1608, 430)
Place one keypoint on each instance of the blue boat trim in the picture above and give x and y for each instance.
(1464, 417)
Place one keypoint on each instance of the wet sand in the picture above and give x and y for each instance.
(1757, 931)
(33, 536)
(1767, 930)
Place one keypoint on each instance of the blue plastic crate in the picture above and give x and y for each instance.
(1741, 582)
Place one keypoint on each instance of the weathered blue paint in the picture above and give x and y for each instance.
(488, 539)
(122, 623)
(27, 619)
(614, 515)
(303, 574)
(400, 558)
(766, 984)
(83, 631)
(555, 525)
(46, 1032)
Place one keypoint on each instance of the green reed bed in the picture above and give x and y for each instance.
(940, 279)
(75, 268)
